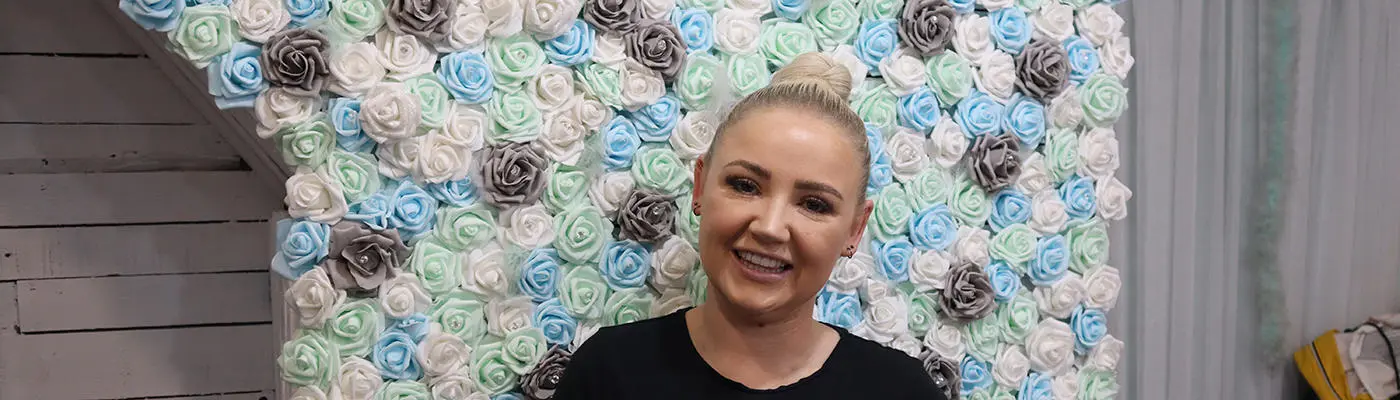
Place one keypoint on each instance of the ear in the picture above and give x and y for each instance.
(699, 179)
(859, 224)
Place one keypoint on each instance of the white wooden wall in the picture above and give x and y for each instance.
(133, 238)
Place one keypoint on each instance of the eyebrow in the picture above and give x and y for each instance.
(802, 184)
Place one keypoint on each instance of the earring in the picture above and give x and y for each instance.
(695, 208)
(850, 251)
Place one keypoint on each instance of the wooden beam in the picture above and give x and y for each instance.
(34, 148)
(136, 197)
(126, 250)
(45, 89)
(66, 27)
(142, 301)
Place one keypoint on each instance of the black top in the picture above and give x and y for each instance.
(655, 359)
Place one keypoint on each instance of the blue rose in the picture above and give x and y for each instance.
(620, 143)
(881, 175)
(235, 78)
(656, 121)
(919, 110)
(193, 3)
(963, 6)
(394, 356)
(893, 257)
(156, 15)
(414, 210)
(1083, 59)
(933, 228)
(790, 9)
(461, 192)
(307, 12)
(345, 118)
(876, 41)
(1037, 386)
(697, 28)
(556, 323)
(840, 309)
(1005, 281)
(416, 325)
(373, 211)
(1025, 118)
(1010, 29)
(1089, 326)
(1051, 261)
(301, 245)
(574, 47)
(874, 141)
(1078, 195)
(625, 265)
(466, 76)
(976, 374)
(540, 274)
(1009, 207)
(979, 114)
(507, 396)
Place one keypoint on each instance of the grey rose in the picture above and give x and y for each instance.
(657, 44)
(513, 175)
(539, 383)
(611, 15)
(967, 294)
(944, 372)
(646, 216)
(993, 161)
(362, 258)
(295, 59)
(1042, 70)
(927, 25)
(426, 19)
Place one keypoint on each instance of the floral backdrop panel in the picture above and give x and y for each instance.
(482, 184)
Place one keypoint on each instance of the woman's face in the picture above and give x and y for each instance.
(779, 203)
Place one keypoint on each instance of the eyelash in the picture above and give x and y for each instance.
(749, 187)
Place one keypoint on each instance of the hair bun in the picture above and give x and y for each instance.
(816, 69)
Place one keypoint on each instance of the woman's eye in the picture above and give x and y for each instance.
(742, 185)
(816, 205)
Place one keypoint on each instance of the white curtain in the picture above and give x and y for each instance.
(1207, 93)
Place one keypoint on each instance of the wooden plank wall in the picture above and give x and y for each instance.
(133, 240)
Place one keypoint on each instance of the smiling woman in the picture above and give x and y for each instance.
(781, 197)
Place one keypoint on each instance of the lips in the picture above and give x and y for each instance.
(761, 263)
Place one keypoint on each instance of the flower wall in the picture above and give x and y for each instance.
(482, 184)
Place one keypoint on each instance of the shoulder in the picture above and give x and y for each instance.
(628, 342)
(889, 367)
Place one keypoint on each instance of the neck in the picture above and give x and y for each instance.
(759, 352)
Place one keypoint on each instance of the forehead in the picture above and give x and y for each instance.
(795, 143)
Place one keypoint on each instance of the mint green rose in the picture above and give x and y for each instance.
(353, 20)
(877, 106)
(205, 32)
(1003, 393)
(439, 269)
(514, 60)
(698, 286)
(464, 228)
(923, 313)
(1088, 246)
(970, 204)
(1062, 155)
(1078, 4)
(603, 82)
(357, 174)
(626, 306)
(460, 313)
(781, 41)
(514, 117)
(931, 186)
(712, 6)
(890, 218)
(880, 9)
(491, 369)
(1017, 316)
(1016, 244)
(1030, 5)
(950, 77)
(308, 143)
(403, 390)
(355, 327)
(983, 338)
(687, 223)
(523, 348)
(981, 394)
(658, 168)
(567, 186)
(1104, 99)
(583, 292)
(834, 24)
(309, 360)
(580, 233)
(433, 100)
(696, 80)
(747, 72)
(1097, 384)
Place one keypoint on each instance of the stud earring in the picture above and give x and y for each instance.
(695, 208)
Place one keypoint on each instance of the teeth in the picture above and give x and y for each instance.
(761, 260)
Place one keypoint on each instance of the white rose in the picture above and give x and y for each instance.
(993, 5)
(552, 89)
(402, 296)
(610, 190)
(1105, 355)
(585, 330)
(1034, 176)
(590, 112)
(755, 7)
(694, 134)
(887, 318)
(561, 139)
(906, 150)
(907, 344)
(1101, 288)
(850, 273)
(929, 270)
(1066, 386)
(640, 85)
(1050, 347)
(398, 159)
(504, 316)
(467, 127)
(308, 393)
(1098, 153)
(997, 76)
(1060, 299)
(1116, 56)
(390, 112)
(440, 159)
(1010, 367)
(547, 19)
(1113, 199)
(875, 288)
(670, 301)
(529, 227)
(946, 144)
(972, 37)
(258, 20)
(946, 341)
(609, 49)
(1054, 21)
(972, 246)
(314, 196)
(657, 9)
(1099, 23)
(466, 30)
(503, 17)
(485, 274)
(456, 385)
(354, 69)
(672, 262)
(845, 55)
(1047, 212)
(904, 72)
(1065, 110)
(404, 55)
(314, 298)
(357, 379)
(736, 31)
(276, 108)
(442, 353)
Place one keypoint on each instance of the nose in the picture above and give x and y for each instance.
(770, 225)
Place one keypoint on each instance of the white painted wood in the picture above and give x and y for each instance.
(142, 301)
(32, 148)
(9, 315)
(137, 363)
(85, 89)
(264, 395)
(74, 199)
(42, 253)
(284, 321)
(44, 26)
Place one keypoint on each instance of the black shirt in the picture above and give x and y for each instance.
(655, 359)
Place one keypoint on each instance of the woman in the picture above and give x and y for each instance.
(781, 195)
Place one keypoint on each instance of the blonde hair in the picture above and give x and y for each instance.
(812, 82)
